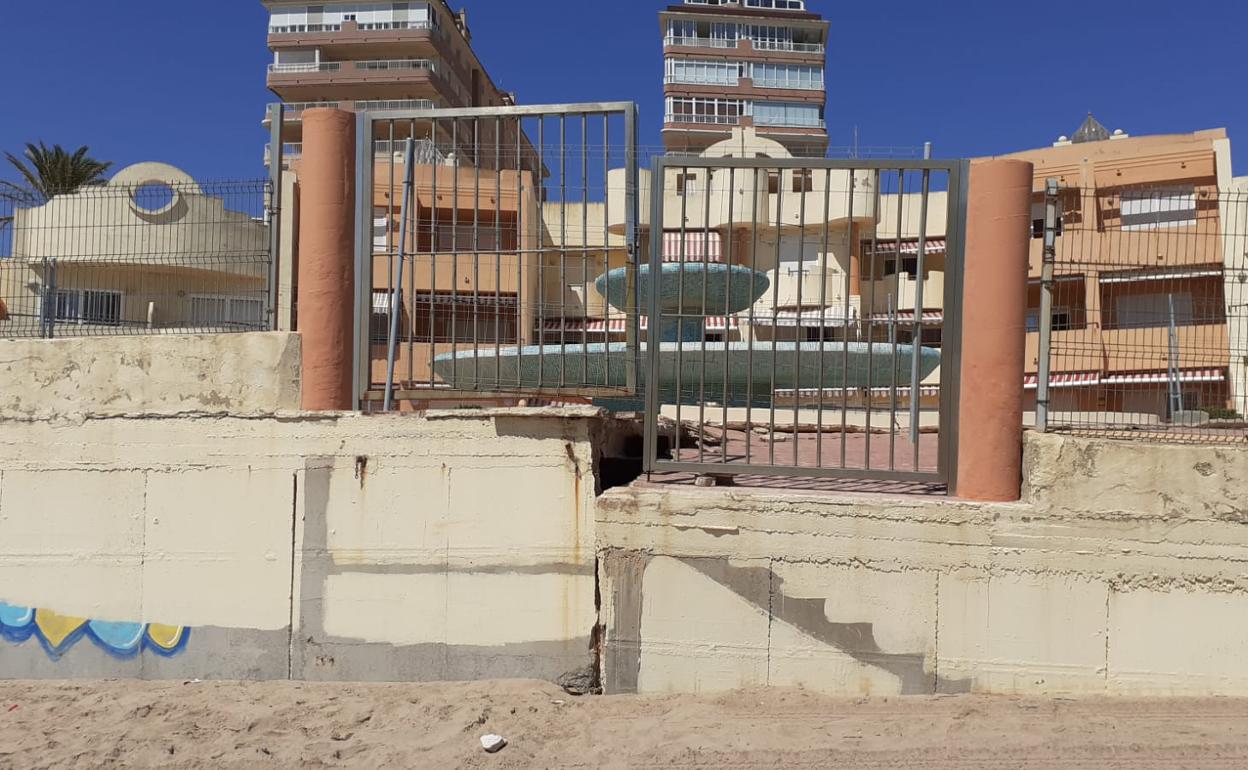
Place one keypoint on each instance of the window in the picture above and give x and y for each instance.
(703, 72)
(219, 310)
(1159, 208)
(803, 180)
(1141, 311)
(463, 318)
(87, 307)
(780, 5)
(703, 110)
(1063, 320)
(686, 183)
(381, 229)
(773, 182)
(795, 115)
(787, 76)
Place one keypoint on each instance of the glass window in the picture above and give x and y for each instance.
(1159, 208)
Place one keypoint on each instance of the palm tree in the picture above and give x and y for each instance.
(51, 172)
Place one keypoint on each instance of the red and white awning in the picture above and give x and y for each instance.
(620, 325)
(930, 317)
(1171, 274)
(818, 318)
(1064, 380)
(908, 246)
(1154, 378)
(692, 246)
(924, 392)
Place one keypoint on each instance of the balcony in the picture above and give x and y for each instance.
(290, 151)
(294, 111)
(785, 45)
(769, 122)
(698, 42)
(396, 104)
(302, 67)
(712, 120)
(791, 85)
(396, 64)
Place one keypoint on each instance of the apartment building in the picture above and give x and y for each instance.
(376, 55)
(730, 63)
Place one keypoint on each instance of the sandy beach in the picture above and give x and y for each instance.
(296, 725)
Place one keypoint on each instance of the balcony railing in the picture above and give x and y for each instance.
(424, 150)
(396, 104)
(731, 80)
(290, 151)
(389, 25)
(788, 122)
(312, 66)
(396, 64)
(796, 85)
(699, 42)
(718, 120)
(294, 29)
(785, 45)
(294, 110)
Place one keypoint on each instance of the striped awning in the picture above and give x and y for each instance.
(692, 246)
(1171, 274)
(1152, 378)
(817, 318)
(908, 246)
(925, 391)
(1063, 380)
(930, 317)
(381, 301)
(620, 325)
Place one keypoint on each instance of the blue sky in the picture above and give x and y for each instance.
(184, 82)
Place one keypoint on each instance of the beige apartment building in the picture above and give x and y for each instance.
(730, 63)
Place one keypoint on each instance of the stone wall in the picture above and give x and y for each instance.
(321, 547)
(239, 374)
(1125, 571)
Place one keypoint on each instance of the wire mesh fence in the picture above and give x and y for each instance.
(160, 257)
(1148, 319)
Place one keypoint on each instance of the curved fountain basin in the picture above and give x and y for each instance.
(741, 370)
(705, 288)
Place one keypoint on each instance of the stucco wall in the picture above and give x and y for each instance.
(319, 547)
(1125, 572)
(239, 374)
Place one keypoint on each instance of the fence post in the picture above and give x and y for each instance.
(327, 259)
(1046, 304)
(994, 310)
(277, 115)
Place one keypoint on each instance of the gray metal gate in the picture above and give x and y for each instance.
(486, 247)
(804, 317)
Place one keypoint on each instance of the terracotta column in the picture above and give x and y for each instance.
(327, 258)
(994, 331)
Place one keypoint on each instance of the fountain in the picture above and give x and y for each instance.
(744, 372)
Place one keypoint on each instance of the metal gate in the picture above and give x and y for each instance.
(804, 317)
(497, 254)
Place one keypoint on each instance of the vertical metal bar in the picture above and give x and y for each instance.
(701, 323)
(892, 325)
(951, 346)
(916, 328)
(823, 306)
(498, 246)
(657, 173)
(277, 115)
(539, 252)
(455, 254)
(362, 376)
(563, 249)
(854, 245)
(476, 253)
(656, 322)
(723, 447)
(800, 329)
(749, 349)
(434, 253)
(410, 344)
(584, 356)
(519, 246)
(775, 310)
(606, 246)
(870, 325)
(632, 237)
(396, 290)
(1047, 269)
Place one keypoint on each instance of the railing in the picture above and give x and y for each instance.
(293, 112)
(424, 151)
(298, 67)
(397, 25)
(158, 258)
(796, 85)
(717, 120)
(397, 64)
(699, 42)
(290, 151)
(292, 29)
(396, 104)
(787, 122)
(784, 45)
(1140, 313)
(730, 80)
(807, 382)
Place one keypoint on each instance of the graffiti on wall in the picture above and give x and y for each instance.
(59, 633)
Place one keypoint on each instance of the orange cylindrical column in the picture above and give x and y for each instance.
(994, 331)
(327, 258)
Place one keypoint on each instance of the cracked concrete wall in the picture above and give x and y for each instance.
(327, 546)
(1125, 571)
(240, 374)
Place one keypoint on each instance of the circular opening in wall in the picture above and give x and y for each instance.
(154, 197)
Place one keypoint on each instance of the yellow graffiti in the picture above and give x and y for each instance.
(165, 637)
(56, 628)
